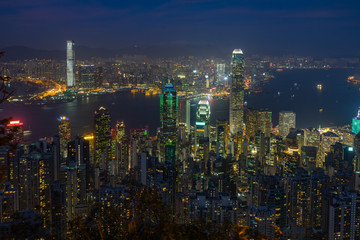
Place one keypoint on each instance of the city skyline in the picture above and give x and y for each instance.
(202, 119)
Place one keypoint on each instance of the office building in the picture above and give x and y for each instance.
(87, 77)
(64, 132)
(70, 64)
(287, 120)
(237, 92)
(168, 118)
(102, 137)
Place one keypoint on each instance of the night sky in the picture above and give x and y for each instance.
(312, 27)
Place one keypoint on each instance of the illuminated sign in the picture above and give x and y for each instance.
(200, 123)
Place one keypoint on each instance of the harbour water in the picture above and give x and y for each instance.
(334, 105)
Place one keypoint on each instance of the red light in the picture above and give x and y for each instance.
(15, 122)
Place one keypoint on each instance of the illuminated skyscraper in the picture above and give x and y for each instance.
(87, 76)
(222, 133)
(202, 125)
(16, 129)
(70, 64)
(64, 132)
(102, 137)
(287, 120)
(220, 70)
(168, 117)
(237, 92)
(120, 131)
(264, 122)
(357, 153)
(356, 123)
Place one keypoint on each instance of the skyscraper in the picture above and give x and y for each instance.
(356, 123)
(168, 117)
(120, 131)
(237, 92)
(287, 120)
(87, 76)
(64, 132)
(220, 70)
(15, 128)
(102, 137)
(70, 64)
(202, 124)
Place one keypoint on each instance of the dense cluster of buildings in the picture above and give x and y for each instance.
(304, 183)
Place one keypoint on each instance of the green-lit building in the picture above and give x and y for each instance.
(356, 123)
(168, 118)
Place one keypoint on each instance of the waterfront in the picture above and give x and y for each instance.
(291, 90)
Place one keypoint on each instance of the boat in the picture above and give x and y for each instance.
(354, 79)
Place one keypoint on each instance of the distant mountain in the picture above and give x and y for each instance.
(82, 52)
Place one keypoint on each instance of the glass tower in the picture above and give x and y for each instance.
(237, 92)
(64, 131)
(70, 64)
(168, 117)
(102, 137)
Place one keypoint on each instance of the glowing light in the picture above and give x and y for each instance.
(14, 122)
(63, 118)
(206, 76)
(351, 149)
(200, 123)
(226, 78)
(194, 71)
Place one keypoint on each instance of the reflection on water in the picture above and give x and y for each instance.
(338, 100)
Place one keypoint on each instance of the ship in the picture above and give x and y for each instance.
(354, 79)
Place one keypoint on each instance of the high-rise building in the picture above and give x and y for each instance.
(287, 120)
(356, 123)
(102, 137)
(168, 117)
(15, 128)
(202, 123)
(357, 153)
(237, 92)
(70, 64)
(264, 122)
(64, 132)
(344, 220)
(119, 131)
(222, 133)
(87, 76)
(220, 70)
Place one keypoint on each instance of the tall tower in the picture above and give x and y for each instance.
(70, 64)
(168, 117)
(64, 132)
(102, 137)
(237, 92)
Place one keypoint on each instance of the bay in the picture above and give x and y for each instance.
(290, 90)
